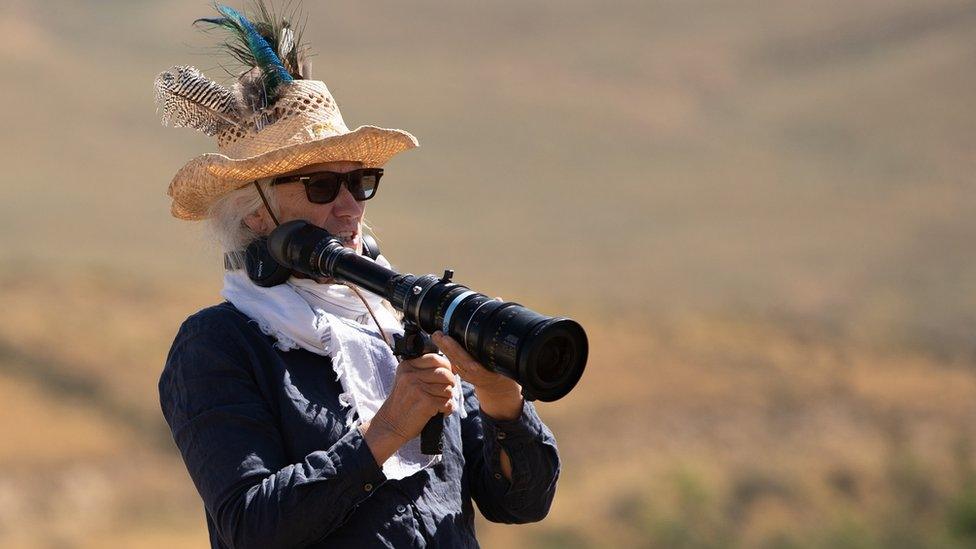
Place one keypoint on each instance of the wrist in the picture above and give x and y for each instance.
(381, 438)
(504, 406)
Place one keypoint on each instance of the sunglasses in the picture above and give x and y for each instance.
(323, 187)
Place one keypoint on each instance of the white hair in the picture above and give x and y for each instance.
(225, 218)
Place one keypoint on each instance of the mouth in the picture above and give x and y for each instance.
(346, 238)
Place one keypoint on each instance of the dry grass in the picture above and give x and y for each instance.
(756, 429)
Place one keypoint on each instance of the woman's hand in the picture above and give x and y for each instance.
(500, 396)
(423, 387)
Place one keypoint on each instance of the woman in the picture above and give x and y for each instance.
(296, 423)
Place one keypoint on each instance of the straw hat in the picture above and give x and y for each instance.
(297, 124)
(308, 129)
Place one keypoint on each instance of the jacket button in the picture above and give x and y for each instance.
(368, 487)
(498, 476)
(501, 435)
(400, 508)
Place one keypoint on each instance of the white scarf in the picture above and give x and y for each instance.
(330, 320)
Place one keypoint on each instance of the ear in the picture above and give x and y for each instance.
(258, 221)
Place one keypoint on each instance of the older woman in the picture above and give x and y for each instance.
(296, 423)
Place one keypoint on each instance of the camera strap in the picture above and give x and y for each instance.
(266, 205)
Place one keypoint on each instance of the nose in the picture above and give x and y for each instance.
(346, 205)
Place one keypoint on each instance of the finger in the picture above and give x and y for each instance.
(437, 376)
(429, 361)
(447, 408)
(438, 390)
(437, 403)
(458, 356)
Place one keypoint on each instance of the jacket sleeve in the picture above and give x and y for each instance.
(535, 463)
(229, 440)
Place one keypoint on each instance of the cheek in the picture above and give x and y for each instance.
(288, 203)
(317, 214)
(294, 205)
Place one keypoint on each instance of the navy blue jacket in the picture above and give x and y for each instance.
(264, 439)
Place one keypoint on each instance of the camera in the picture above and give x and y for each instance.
(545, 355)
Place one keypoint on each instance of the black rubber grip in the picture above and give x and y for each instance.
(431, 441)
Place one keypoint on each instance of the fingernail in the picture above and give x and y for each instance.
(437, 335)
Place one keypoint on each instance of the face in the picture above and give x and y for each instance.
(342, 217)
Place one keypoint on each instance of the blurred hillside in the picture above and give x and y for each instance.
(810, 158)
(762, 213)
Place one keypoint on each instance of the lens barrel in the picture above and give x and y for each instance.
(545, 355)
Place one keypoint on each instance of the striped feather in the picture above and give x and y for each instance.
(187, 98)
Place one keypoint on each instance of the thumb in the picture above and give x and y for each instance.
(461, 362)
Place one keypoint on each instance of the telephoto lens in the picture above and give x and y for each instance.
(545, 355)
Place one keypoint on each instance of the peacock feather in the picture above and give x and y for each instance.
(265, 73)
(187, 98)
(284, 38)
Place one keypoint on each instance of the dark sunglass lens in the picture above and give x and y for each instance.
(362, 184)
(369, 183)
(323, 188)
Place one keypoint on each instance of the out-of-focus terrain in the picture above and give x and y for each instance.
(762, 213)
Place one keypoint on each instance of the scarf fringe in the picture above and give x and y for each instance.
(282, 342)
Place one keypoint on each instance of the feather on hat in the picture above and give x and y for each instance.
(272, 121)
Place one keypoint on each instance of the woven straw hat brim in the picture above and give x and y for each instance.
(209, 176)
